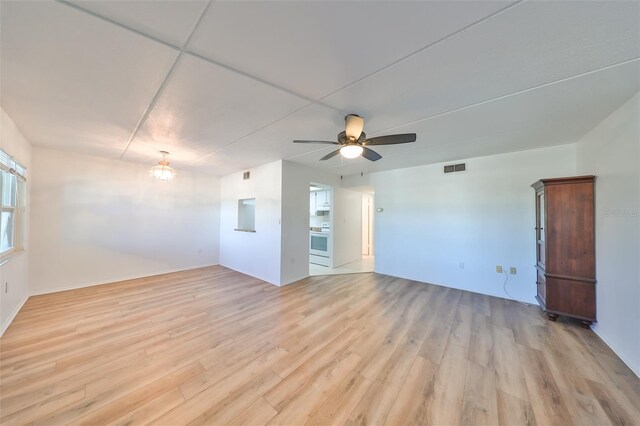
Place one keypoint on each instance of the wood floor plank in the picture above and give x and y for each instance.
(335, 410)
(257, 414)
(446, 402)
(481, 347)
(508, 368)
(514, 411)
(480, 406)
(546, 400)
(151, 410)
(411, 404)
(213, 346)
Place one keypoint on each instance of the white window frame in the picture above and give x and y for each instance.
(9, 167)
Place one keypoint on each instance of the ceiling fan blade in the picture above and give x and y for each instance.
(330, 155)
(322, 142)
(392, 139)
(370, 154)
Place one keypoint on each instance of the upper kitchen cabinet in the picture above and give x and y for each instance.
(312, 203)
(323, 201)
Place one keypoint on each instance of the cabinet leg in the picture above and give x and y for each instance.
(586, 324)
(552, 317)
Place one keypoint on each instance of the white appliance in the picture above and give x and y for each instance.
(320, 247)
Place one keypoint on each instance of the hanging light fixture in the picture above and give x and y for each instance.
(162, 171)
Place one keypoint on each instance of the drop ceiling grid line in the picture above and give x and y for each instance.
(320, 102)
(251, 133)
(165, 81)
(116, 23)
(519, 92)
(428, 46)
(184, 50)
(260, 80)
(497, 98)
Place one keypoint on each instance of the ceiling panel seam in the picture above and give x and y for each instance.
(260, 80)
(251, 133)
(497, 98)
(428, 46)
(184, 50)
(116, 23)
(320, 102)
(519, 92)
(165, 81)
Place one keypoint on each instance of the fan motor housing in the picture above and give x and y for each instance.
(342, 137)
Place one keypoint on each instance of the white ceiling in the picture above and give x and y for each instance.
(226, 86)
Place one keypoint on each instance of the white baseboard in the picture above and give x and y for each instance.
(13, 316)
(118, 279)
(627, 363)
(251, 275)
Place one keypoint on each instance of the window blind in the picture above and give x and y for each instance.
(9, 165)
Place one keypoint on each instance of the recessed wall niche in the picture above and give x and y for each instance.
(247, 215)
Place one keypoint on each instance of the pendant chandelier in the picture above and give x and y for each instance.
(162, 171)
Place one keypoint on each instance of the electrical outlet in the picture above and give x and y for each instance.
(461, 265)
(499, 269)
(6, 287)
(512, 270)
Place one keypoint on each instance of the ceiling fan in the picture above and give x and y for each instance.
(354, 143)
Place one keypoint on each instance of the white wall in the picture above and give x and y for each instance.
(611, 151)
(15, 273)
(253, 253)
(96, 220)
(483, 217)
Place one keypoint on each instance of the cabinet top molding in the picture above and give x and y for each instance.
(563, 180)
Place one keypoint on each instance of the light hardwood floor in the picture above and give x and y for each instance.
(212, 346)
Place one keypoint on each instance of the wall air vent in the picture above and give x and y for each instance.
(452, 168)
(246, 176)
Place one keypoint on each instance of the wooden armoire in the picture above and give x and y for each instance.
(565, 247)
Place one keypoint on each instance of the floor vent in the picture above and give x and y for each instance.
(246, 176)
(452, 168)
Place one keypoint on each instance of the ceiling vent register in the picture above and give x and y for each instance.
(452, 168)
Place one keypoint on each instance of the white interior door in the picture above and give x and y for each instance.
(367, 225)
(347, 226)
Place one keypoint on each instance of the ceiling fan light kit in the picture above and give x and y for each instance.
(353, 141)
(351, 151)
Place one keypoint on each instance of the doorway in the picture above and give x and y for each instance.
(320, 226)
(346, 224)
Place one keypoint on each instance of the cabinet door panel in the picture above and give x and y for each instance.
(569, 223)
(574, 297)
(542, 288)
(540, 231)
